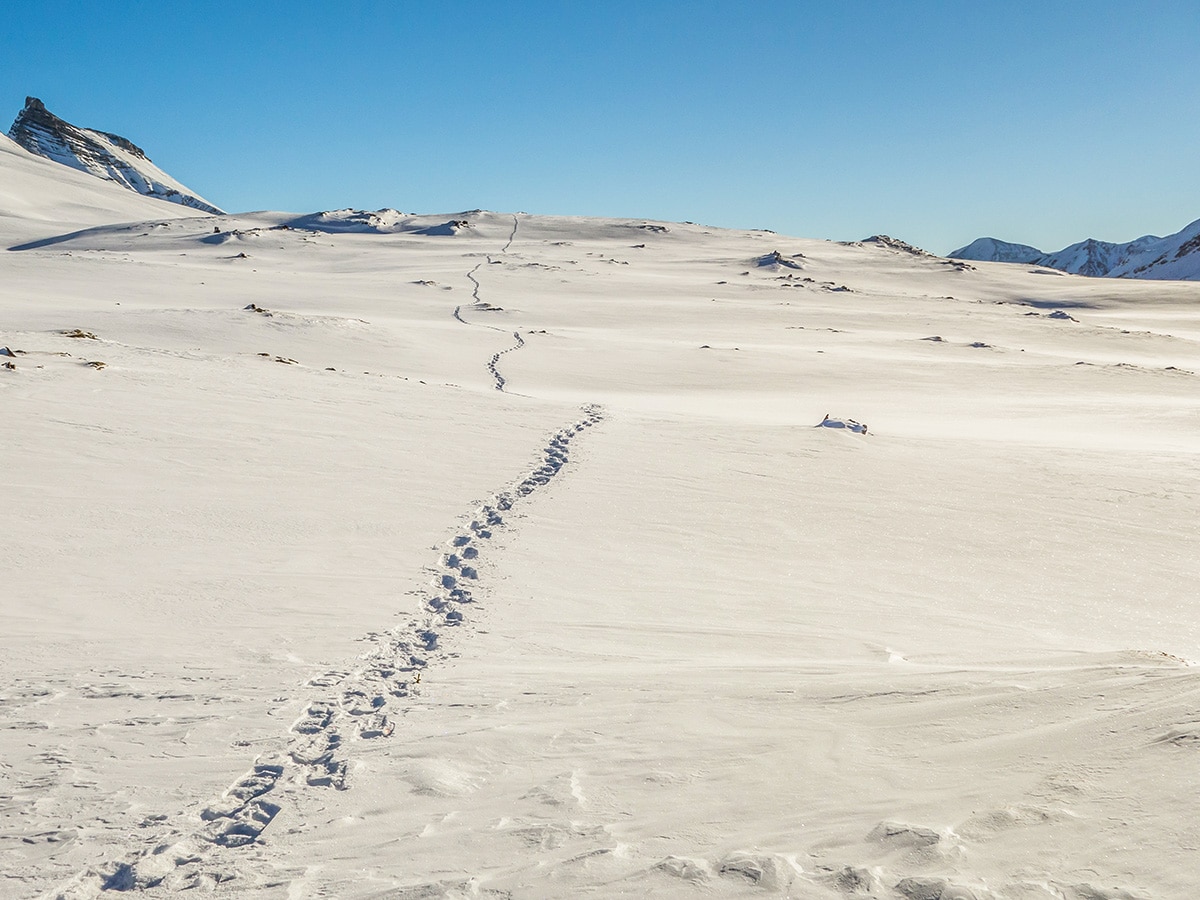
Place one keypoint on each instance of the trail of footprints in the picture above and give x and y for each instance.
(493, 363)
(478, 302)
(358, 704)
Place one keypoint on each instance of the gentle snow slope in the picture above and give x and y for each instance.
(298, 604)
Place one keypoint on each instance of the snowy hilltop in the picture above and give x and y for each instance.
(1170, 258)
(107, 156)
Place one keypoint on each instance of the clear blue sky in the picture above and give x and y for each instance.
(936, 122)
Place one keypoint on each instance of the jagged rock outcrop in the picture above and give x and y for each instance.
(884, 240)
(99, 153)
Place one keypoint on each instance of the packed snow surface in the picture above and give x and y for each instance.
(366, 555)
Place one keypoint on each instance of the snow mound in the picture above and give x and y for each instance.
(776, 260)
(352, 221)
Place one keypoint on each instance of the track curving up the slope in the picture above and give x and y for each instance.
(479, 304)
(364, 701)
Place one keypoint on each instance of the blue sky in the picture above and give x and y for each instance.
(936, 122)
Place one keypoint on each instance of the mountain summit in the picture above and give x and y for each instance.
(1176, 256)
(107, 156)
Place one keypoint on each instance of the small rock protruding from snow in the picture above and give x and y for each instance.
(776, 260)
(901, 834)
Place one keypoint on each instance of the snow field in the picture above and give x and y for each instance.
(257, 640)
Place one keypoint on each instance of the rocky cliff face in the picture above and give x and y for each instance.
(107, 156)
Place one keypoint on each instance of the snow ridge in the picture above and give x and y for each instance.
(99, 153)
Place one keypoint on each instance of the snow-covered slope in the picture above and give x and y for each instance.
(1097, 258)
(107, 156)
(366, 554)
(39, 198)
(1175, 257)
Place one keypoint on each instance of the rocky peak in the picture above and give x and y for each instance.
(99, 153)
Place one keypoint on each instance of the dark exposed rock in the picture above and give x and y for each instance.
(892, 243)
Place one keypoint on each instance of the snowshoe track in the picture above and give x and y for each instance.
(360, 703)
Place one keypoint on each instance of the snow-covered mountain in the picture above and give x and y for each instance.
(107, 156)
(1175, 257)
(988, 249)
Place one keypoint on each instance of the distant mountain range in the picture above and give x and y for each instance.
(107, 156)
(1175, 257)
